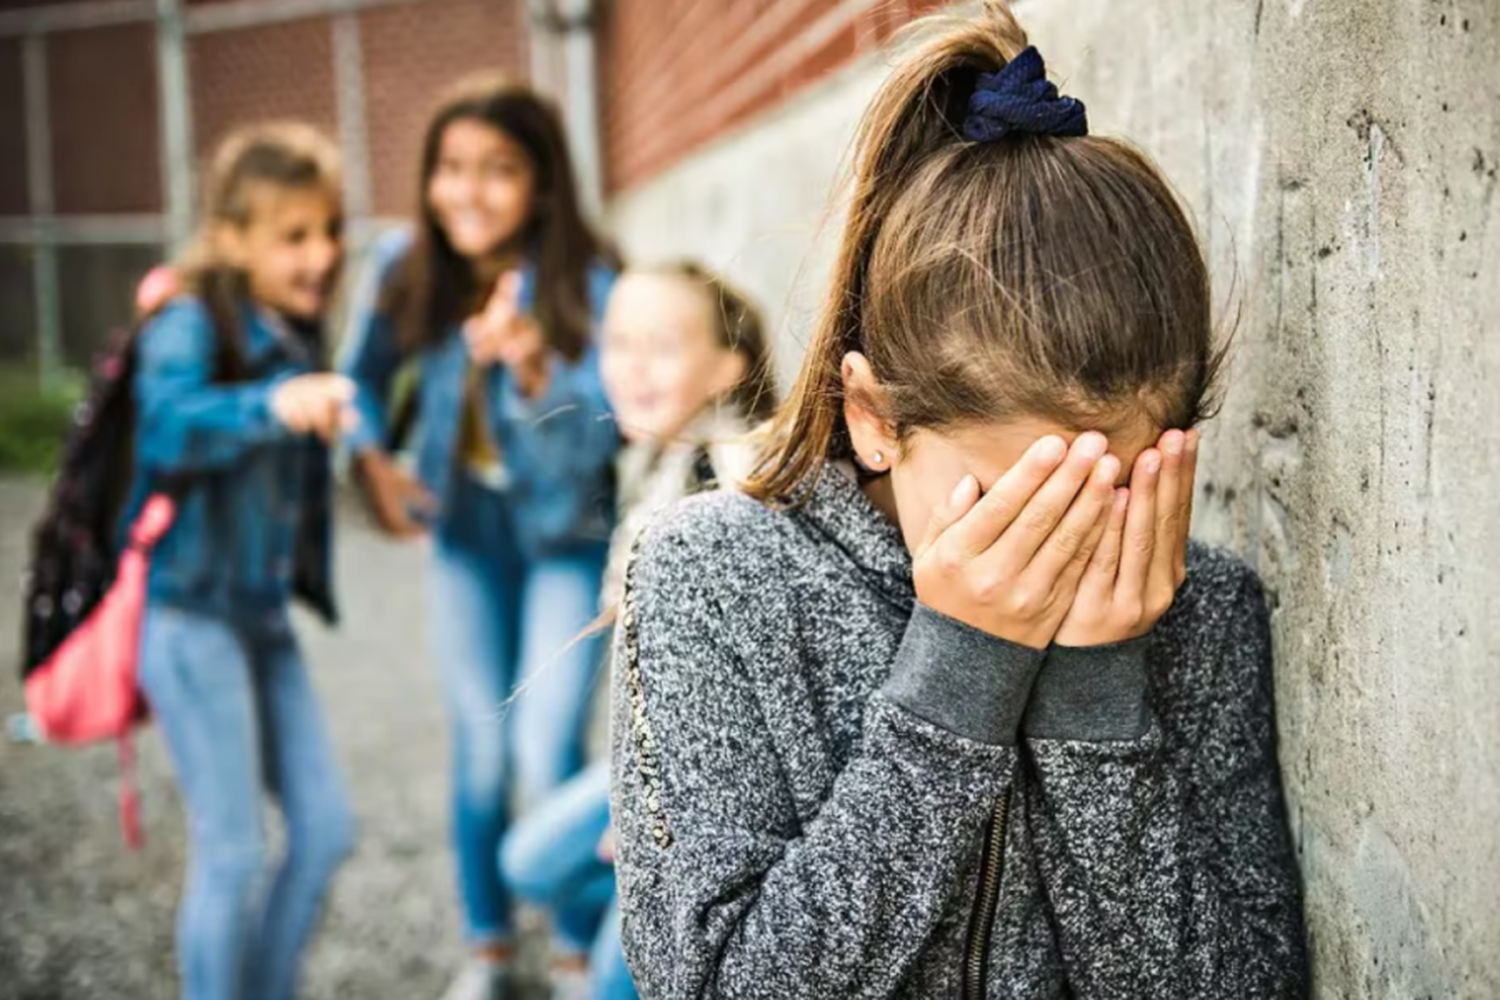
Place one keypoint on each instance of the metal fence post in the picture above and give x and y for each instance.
(580, 65)
(349, 93)
(42, 205)
(176, 121)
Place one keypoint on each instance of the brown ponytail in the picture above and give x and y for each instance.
(1031, 275)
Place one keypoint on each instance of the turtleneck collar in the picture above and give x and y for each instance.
(838, 508)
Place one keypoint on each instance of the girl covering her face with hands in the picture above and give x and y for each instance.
(949, 706)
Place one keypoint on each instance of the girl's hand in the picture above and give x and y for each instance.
(316, 403)
(503, 335)
(524, 352)
(1008, 563)
(393, 495)
(1142, 560)
(606, 848)
(486, 332)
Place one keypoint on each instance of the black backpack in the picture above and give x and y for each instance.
(75, 546)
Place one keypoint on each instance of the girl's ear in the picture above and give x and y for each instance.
(873, 439)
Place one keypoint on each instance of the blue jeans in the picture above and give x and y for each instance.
(239, 714)
(517, 679)
(551, 858)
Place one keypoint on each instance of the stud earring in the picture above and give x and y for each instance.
(878, 458)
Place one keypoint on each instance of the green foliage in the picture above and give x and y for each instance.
(35, 419)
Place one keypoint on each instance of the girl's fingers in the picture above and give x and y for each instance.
(1074, 537)
(416, 496)
(483, 338)
(405, 527)
(502, 302)
(995, 511)
(341, 388)
(309, 419)
(1031, 528)
(1140, 528)
(333, 419)
(946, 514)
(1079, 574)
(1171, 508)
(319, 423)
(1105, 565)
(509, 286)
(299, 419)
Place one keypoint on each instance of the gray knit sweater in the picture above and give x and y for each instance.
(824, 790)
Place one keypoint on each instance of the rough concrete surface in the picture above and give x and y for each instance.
(82, 918)
(1341, 159)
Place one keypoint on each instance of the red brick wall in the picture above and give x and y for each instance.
(676, 73)
(104, 111)
(105, 116)
(413, 52)
(282, 70)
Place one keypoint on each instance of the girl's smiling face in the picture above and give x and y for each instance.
(660, 361)
(481, 188)
(289, 249)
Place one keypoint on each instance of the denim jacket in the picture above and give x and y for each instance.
(558, 448)
(253, 523)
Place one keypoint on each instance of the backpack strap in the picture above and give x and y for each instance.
(130, 799)
(153, 521)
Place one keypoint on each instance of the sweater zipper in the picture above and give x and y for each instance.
(982, 921)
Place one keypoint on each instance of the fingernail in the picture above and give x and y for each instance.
(1122, 499)
(1107, 469)
(1092, 445)
(1172, 445)
(1151, 461)
(961, 491)
(1192, 442)
(1051, 448)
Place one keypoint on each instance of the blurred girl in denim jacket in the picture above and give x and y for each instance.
(232, 419)
(495, 295)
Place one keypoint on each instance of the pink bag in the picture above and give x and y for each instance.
(87, 690)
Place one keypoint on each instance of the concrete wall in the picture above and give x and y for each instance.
(1341, 158)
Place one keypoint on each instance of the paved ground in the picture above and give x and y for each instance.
(83, 918)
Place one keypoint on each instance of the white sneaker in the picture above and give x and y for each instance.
(569, 984)
(480, 979)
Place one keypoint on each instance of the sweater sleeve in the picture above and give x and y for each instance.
(1167, 862)
(726, 889)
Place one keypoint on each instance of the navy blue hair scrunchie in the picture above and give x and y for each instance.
(1020, 98)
